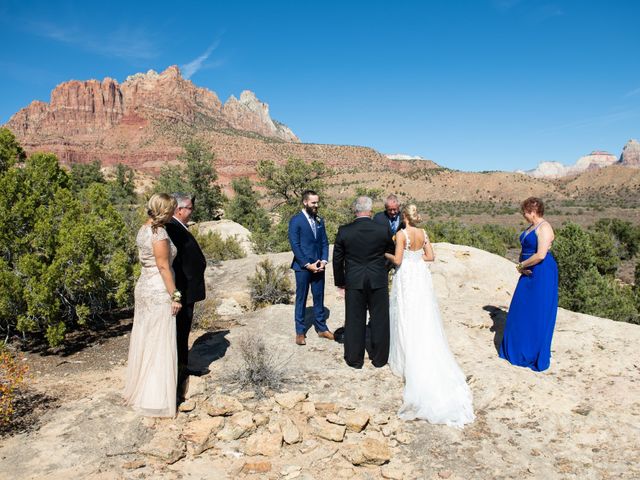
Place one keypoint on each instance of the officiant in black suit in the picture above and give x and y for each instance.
(189, 266)
(391, 216)
(359, 267)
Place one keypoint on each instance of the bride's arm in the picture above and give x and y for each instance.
(428, 255)
(397, 257)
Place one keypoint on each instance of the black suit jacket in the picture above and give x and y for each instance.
(358, 254)
(382, 219)
(189, 264)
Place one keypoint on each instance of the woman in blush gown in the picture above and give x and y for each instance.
(435, 387)
(534, 306)
(151, 382)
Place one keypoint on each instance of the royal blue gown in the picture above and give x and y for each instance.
(532, 314)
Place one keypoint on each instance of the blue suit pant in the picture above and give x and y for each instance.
(305, 280)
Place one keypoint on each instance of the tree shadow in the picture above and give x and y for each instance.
(309, 317)
(207, 348)
(499, 317)
(111, 324)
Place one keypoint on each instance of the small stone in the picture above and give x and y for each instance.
(336, 419)
(445, 473)
(247, 395)
(392, 472)
(200, 434)
(380, 419)
(289, 469)
(239, 425)
(308, 445)
(329, 431)
(290, 399)
(583, 410)
(256, 467)
(264, 443)
(187, 406)
(165, 446)
(197, 386)
(356, 420)
(222, 405)
(260, 419)
(290, 432)
(326, 407)
(367, 452)
(134, 464)
(308, 409)
(404, 438)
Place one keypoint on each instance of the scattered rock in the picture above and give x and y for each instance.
(369, 451)
(256, 467)
(290, 399)
(264, 443)
(200, 434)
(404, 438)
(326, 407)
(290, 432)
(380, 419)
(222, 405)
(166, 446)
(308, 409)
(356, 420)
(308, 445)
(260, 419)
(445, 473)
(329, 431)
(239, 425)
(336, 419)
(393, 472)
(134, 464)
(187, 406)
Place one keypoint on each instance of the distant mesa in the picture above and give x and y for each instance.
(596, 159)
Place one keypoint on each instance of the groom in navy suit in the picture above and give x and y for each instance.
(310, 246)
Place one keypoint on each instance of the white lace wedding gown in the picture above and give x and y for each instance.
(435, 387)
(152, 368)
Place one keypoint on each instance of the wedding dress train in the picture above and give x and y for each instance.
(435, 387)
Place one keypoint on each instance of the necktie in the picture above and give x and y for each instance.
(313, 225)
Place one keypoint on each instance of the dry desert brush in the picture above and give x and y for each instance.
(270, 284)
(259, 369)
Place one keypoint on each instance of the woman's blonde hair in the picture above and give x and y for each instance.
(411, 214)
(160, 209)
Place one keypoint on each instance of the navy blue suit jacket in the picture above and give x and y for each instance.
(307, 248)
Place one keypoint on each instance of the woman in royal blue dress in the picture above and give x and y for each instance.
(534, 306)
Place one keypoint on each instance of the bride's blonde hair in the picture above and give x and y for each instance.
(160, 209)
(411, 214)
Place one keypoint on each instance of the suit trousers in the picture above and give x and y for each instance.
(183, 328)
(305, 280)
(357, 302)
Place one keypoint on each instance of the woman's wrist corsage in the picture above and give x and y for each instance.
(176, 296)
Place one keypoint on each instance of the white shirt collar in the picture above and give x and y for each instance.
(178, 220)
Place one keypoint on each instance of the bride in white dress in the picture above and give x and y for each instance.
(435, 387)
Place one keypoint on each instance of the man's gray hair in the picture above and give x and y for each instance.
(362, 204)
(183, 198)
(391, 199)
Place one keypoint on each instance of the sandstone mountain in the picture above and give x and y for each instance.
(144, 121)
(596, 159)
(630, 156)
(577, 420)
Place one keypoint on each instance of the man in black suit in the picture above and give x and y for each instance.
(189, 266)
(391, 214)
(359, 269)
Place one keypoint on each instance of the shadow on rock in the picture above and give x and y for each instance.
(208, 348)
(309, 318)
(499, 317)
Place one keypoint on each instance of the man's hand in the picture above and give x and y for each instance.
(315, 267)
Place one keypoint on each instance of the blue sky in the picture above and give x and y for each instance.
(472, 85)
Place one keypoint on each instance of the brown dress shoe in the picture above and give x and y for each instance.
(300, 340)
(326, 334)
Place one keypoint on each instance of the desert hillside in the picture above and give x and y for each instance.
(580, 419)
